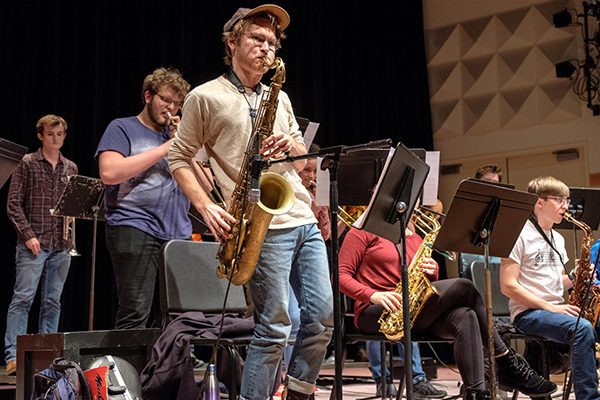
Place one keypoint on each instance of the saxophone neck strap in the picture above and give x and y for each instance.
(535, 223)
(233, 78)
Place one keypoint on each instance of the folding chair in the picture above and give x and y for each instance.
(188, 282)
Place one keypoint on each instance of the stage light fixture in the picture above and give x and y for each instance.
(562, 19)
(564, 69)
(593, 9)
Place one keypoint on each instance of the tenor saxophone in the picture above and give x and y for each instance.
(587, 300)
(238, 255)
(391, 323)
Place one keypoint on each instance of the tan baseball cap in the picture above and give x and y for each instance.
(241, 13)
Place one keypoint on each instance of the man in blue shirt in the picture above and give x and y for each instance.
(144, 206)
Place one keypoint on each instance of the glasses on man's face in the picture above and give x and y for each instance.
(169, 101)
(259, 40)
(561, 200)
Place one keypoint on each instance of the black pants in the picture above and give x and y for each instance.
(134, 256)
(458, 313)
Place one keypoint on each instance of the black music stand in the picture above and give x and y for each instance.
(82, 198)
(10, 155)
(477, 210)
(367, 164)
(331, 161)
(387, 216)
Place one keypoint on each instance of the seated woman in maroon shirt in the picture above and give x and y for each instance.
(369, 271)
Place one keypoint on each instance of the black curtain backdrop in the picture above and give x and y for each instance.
(356, 67)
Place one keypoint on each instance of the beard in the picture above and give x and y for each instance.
(155, 115)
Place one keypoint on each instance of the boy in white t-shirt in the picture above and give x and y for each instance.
(534, 278)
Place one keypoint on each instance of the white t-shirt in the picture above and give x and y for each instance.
(541, 268)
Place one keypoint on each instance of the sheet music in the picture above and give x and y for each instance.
(311, 132)
(359, 222)
(322, 190)
(430, 189)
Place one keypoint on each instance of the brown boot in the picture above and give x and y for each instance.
(11, 367)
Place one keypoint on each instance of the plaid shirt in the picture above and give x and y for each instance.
(34, 189)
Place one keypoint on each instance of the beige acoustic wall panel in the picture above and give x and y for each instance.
(497, 72)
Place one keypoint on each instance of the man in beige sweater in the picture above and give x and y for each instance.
(219, 116)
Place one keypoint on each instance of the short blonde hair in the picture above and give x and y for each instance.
(545, 186)
(50, 120)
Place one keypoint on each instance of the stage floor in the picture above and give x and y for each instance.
(357, 383)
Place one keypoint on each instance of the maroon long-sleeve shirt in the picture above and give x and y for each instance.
(369, 264)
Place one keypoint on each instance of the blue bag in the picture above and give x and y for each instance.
(63, 380)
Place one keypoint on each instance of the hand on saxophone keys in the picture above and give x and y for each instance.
(277, 146)
(391, 301)
(217, 220)
(429, 266)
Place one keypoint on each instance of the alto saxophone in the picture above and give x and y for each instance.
(391, 323)
(238, 255)
(587, 300)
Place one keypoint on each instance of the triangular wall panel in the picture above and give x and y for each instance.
(498, 72)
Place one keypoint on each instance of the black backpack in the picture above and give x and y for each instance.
(63, 380)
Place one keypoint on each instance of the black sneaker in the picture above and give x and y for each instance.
(515, 372)
(477, 395)
(425, 390)
(390, 387)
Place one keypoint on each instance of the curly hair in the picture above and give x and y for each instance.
(240, 28)
(545, 186)
(170, 77)
(50, 120)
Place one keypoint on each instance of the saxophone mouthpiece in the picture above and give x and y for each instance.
(567, 216)
(267, 64)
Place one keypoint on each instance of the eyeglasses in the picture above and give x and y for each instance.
(168, 101)
(259, 40)
(561, 200)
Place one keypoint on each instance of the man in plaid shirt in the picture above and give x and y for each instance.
(42, 251)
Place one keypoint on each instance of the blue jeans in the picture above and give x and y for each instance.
(560, 328)
(296, 257)
(49, 269)
(294, 312)
(374, 355)
(134, 255)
